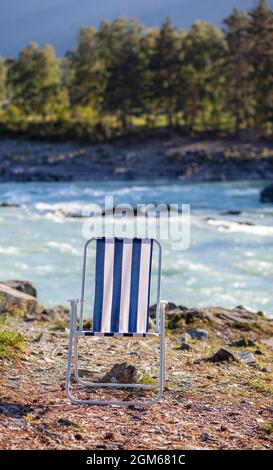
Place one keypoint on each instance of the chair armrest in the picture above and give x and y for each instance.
(163, 304)
(74, 301)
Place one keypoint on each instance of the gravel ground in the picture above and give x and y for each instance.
(226, 405)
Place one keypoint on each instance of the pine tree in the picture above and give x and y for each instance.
(202, 75)
(120, 47)
(35, 80)
(261, 32)
(165, 64)
(240, 98)
(3, 84)
(85, 68)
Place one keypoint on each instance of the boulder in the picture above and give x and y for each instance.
(222, 355)
(8, 204)
(177, 316)
(121, 373)
(243, 343)
(267, 194)
(55, 314)
(246, 357)
(11, 299)
(185, 346)
(231, 212)
(198, 333)
(22, 286)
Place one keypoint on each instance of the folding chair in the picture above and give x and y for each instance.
(121, 306)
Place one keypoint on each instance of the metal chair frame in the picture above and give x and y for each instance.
(77, 330)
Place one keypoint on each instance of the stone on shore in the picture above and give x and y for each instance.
(198, 333)
(267, 194)
(12, 300)
(246, 357)
(222, 355)
(22, 286)
(121, 373)
(185, 346)
(243, 343)
(55, 314)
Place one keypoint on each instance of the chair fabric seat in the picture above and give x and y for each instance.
(122, 285)
(101, 333)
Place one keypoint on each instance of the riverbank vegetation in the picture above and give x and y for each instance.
(123, 78)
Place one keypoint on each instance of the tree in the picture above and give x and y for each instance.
(3, 85)
(121, 48)
(261, 32)
(165, 64)
(202, 74)
(86, 83)
(239, 68)
(35, 80)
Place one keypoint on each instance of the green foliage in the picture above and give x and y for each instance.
(4, 319)
(261, 30)
(268, 427)
(147, 379)
(123, 76)
(35, 82)
(11, 344)
(3, 88)
(239, 69)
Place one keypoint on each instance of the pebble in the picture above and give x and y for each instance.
(197, 333)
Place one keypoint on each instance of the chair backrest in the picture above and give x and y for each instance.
(122, 284)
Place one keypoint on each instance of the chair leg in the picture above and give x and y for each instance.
(75, 400)
(67, 386)
(76, 370)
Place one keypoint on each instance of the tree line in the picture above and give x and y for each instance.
(122, 76)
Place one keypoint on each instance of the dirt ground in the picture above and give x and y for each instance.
(206, 405)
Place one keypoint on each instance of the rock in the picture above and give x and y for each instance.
(222, 355)
(197, 333)
(238, 315)
(206, 437)
(185, 346)
(170, 306)
(178, 316)
(185, 337)
(38, 338)
(246, 357)
(22, 286)
(231, 212)
(66, 422)
(267, 194)
(58, 313)
(243, 343)
(121, 373)
(11, 299)
(7, 205)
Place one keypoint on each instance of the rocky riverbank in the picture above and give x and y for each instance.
(218, 392)
(173, 157)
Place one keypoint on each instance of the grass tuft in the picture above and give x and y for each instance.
(268, 427)
(11, 344)
(260, 387)
(147, 379)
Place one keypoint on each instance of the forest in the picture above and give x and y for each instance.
(123, 78)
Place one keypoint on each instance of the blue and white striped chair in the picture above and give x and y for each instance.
(121, 305)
